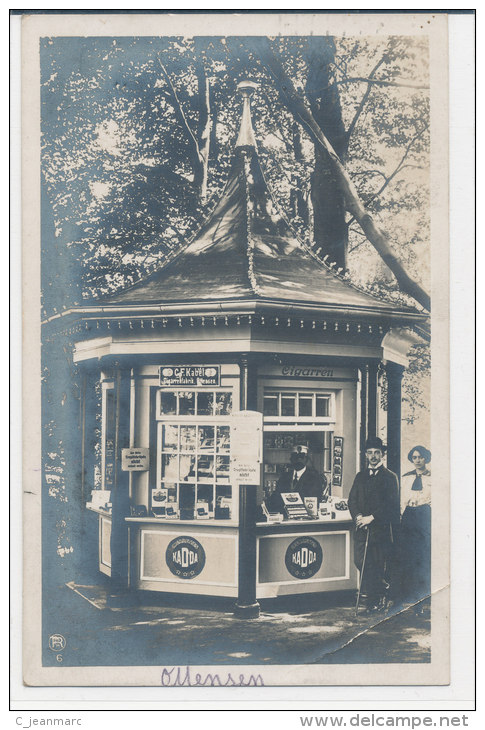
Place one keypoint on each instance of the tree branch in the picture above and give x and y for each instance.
(363, 102)
(381, 82)
(278, 122)
(369, 173)
(180, 114)
(400, 166)
(354, 205)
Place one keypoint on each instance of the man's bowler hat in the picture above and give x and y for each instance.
(374, 443)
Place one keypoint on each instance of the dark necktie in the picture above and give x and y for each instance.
(295, 482)
(417, 484)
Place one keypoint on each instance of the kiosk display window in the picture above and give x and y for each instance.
(277, 450)
(194, 403)
(194, 442)
(296, 417)
(299, 404)
(108, 436)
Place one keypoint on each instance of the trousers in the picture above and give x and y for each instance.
(375, 574)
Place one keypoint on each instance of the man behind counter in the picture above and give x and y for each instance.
(299, 477)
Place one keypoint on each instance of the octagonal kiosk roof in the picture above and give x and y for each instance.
(246, 259)
(246, 249)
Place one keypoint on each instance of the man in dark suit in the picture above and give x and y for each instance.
(298, 477)
(374, 506)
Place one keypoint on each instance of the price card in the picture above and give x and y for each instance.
(134, 459)
(246, 446)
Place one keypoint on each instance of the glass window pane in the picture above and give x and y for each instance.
(269, 441)
(288, 404)
(206, 438)
(169, 467)
(322, 405)
(223, 404)
(270, 405)
(172, 492)
(205, 404)
(187, 438)
(205, 493)
(187, 467)
(222, 468)
(205, 468)
(223, 439)
(168, 402)
(223, 507)
(305, 403)
(187, 501)
(168, 488)
(169, 438)
(187, 403)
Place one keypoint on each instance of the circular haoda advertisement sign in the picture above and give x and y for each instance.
(303, 557)
(185, 557)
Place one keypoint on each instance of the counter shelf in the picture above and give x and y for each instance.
(309, 521)
(168, 522)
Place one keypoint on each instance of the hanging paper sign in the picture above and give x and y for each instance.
(134, 459)
(246, 446)
(190, 375)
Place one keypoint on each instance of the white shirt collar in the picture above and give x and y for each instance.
(376, 467)
(298, 474)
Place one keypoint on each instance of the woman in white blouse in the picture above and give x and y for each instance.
(416, 527)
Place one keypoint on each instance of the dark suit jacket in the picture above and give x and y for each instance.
(379, 496)
(310, 484)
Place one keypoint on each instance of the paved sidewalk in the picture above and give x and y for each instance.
(172, 630)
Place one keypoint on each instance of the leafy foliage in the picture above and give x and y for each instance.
(119, 120)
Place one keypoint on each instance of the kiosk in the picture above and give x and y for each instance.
(209, 371)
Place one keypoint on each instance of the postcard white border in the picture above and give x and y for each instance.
(460, 692)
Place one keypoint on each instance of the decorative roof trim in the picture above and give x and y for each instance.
(279, 308)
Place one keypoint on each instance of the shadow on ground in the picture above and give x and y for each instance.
(102, 629)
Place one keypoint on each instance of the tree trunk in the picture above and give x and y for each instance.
(201, 166)
(298, 194)
(353, 204)
(330, 231)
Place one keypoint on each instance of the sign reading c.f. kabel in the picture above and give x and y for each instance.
(190, 375)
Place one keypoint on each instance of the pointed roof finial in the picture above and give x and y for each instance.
(246, 135)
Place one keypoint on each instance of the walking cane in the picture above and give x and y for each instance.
(362, 571)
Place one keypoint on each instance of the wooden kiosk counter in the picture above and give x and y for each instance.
(241, 346)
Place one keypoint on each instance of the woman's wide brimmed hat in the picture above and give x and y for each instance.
(374, 443)
(425, 453)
